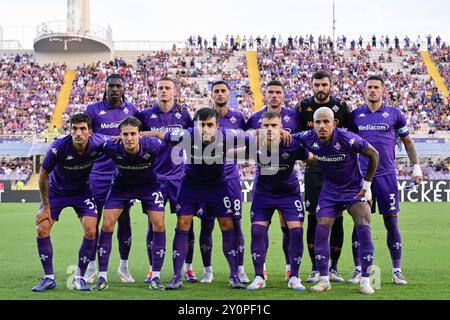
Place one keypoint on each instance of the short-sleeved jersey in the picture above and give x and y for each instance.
(153, 119)
(232, 120)
(205, 163)
(289, 119)
(380, 129)
(279, 177)
(69, 170)
(337, 158)
(105, 120)
(309, 106)
(137, 169)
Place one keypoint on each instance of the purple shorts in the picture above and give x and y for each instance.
(150, 196)
(169, 190)
(216, 199)
(385, 193)
(331, 204)
(235, 190)
(264, 205)
(83, 204)
(100, 185)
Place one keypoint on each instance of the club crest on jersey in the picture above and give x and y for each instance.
(337, 146)
(178, 115)
(125, 110)
(335, 108)
(146, 156)
(103, 112)
(362, 115)
(286, 118)
(351, 141)
(55, 151)
(93, 154)
(285, 155)
(69, 157)
(233, 120)
(385, 114)
(153, 116)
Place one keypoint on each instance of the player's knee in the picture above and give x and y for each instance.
(43, 230)
(90, 232)
(158, 226)
(183, 224)
(108, 224)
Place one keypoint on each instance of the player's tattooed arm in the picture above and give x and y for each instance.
(154, 134)
(412, 155)
(44, 212)
(373, 156)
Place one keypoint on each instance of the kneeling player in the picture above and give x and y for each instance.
(337, 151)
(276, 187)
(64, 182)
(135, 178)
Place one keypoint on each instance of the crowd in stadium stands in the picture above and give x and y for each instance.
(441, 57)
(28, 94)
(417, 96)
(432, 170)
(16, 169)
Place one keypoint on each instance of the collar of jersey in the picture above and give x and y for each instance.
(156, 109)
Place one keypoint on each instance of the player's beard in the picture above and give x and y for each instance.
(321, 96)
(221, 104)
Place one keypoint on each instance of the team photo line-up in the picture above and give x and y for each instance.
(115, 154)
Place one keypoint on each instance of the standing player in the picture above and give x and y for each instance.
(134, 178)
(289, 118)
(64, 182)
(106, 116)
(337, 151)
(379, 124)
(276, 187)
(228, 119)
(321, 86)
(167, 115)
(204, 182)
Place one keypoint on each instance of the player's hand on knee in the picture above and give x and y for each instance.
(42, 215)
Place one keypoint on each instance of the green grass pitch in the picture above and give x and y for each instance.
(426, 259)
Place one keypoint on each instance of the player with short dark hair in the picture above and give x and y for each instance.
(274, 96)
(321, 86)
(276, 187)
(167, 115)
(64, 182)
(380, 125)
(337, 151)
(106, 116)
(228, 119)
(134, 178)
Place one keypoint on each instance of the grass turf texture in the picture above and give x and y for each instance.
(424, 228)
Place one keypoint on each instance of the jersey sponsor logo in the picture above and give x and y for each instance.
(273, 169)
(178, 115)
(80, 167)
(101, 113)
(112, 125)
(69, 157)
(332, 158)
(374, 127)
(385, 114)
(143, 166)
(335, 108)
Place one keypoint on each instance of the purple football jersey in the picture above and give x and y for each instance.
(337, 158)
(69, 170)
(138, 169)
(153, 119)
(232, 120)
(289, 119)
(205, 162)
(105, 120)
(380, 129)
(279, 178)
